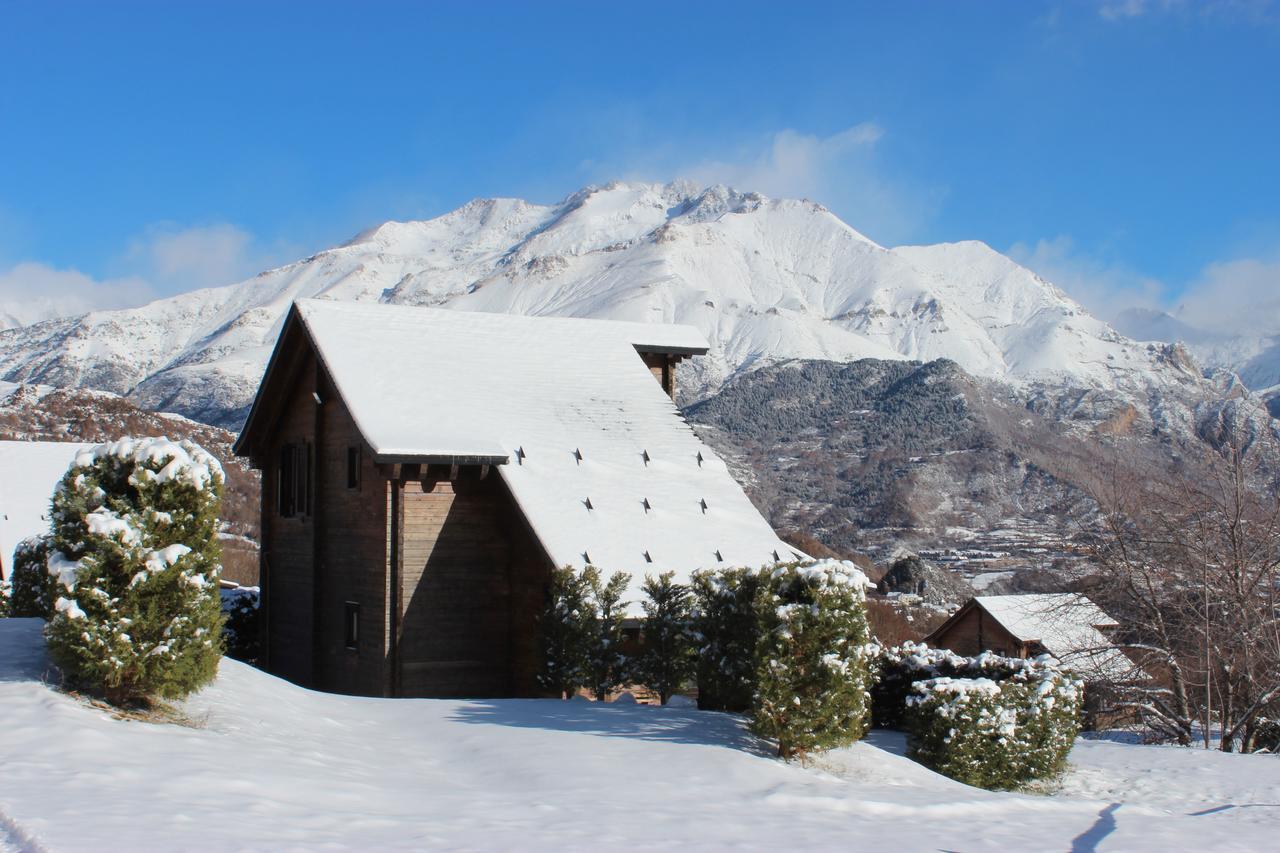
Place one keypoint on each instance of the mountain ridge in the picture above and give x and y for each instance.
(764, 279)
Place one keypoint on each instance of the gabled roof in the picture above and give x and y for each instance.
(596, 455)
(1066, 624)
(29, 473)
(1055, 620)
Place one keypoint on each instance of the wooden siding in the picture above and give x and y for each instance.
(287, 543)
(663, 368)
(314, 564)
(447, 575)
(471, 584)
(351, 556)
(974, 631)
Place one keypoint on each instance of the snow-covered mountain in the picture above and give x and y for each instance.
(764, 279)
(1253, 352)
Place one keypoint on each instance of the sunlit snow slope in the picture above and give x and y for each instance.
(270, 766)
(763, 279)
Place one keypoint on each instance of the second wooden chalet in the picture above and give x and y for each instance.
(424, 469)
(1066, 625)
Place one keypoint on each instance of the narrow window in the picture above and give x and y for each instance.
(353, 467)
(304, 500)
(293, 480)
(351, 625)
(286, 489)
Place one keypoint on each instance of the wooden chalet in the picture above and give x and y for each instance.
(424, 469)
(1066, 625)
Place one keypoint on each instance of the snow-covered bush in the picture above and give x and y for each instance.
(813, 662)
(135, 553)
(241, 631)
(666, 657)
(996, 734)
(726, 630)
(607, 667)
(898, 668)
(33, 591)
(5, 592)
(564, 630)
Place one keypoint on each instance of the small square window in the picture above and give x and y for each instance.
(351, 625)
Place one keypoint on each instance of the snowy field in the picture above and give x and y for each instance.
(271, 766)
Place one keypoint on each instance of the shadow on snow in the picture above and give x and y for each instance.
(633, 722)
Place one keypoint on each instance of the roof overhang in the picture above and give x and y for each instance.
(665, 350)
(440, 459)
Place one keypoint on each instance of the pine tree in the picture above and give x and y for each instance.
(33, 589)
(606, 664)
(813, 663)
(666, 656)
(564, 631)
(135, 553)
(726, 630)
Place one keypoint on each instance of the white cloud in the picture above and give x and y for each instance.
(180, 259)
(31, 292)
(841, 171)
(1252, 11)
(165, 259)
(1104, 288)
(1234, 297)
(1237, 296)
(1121, 9)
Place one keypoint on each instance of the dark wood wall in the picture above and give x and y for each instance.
(975, 632)
(288, 543)
(351, 556)
(439, 556)
(472, 581)
(316, 561)
(663, 368)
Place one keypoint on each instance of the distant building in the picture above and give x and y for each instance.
(1066, 625)
(424, 470)
(29, 474)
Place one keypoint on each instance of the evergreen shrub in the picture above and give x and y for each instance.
(564, 628)
(607, 665)
(241, 631)
(996, 734)
(813, 661)
(580, 633)
(33, 590)
(666, 658)
(726, 631)
(134, 550)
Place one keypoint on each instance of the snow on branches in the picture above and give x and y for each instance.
(135, 560)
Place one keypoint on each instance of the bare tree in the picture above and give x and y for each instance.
(1190, 565)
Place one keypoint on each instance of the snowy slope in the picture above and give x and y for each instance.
(762, 279)
(271, 766)
(29, 473)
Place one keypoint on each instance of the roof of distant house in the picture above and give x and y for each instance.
(29, 473)
(596, 455)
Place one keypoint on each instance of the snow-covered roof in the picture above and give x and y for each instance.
(1066, 624)
(29, 472)
(598, 457)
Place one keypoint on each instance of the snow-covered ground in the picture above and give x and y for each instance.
(270, 766)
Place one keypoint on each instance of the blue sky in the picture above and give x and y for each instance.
(1126, 150)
